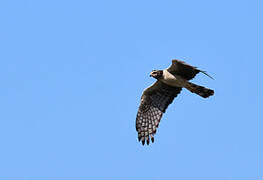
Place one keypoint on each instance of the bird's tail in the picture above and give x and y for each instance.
(200, 90)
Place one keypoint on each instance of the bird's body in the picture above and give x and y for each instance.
(173, 80)
(156, 98)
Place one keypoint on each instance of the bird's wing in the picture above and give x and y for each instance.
(184, 70)
(154, 101)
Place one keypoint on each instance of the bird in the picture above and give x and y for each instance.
(156, 98)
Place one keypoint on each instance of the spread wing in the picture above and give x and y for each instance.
(154, 101)
(184, 70)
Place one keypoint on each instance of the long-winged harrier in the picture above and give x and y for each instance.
(156, 98)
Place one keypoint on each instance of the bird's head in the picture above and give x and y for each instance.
(157, 74)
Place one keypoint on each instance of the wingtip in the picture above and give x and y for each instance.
(143, 142)
(204, 72)
(152, 138)
(148, 141)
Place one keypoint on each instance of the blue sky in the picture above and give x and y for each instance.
(72, 73)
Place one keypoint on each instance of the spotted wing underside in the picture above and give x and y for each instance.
(154, 103)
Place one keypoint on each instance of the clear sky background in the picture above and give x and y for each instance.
(72, 73)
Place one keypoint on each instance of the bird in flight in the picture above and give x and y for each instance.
(156, 98)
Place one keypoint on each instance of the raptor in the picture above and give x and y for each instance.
(156, 98)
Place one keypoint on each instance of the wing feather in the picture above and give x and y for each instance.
(184, 70)
(154, 102)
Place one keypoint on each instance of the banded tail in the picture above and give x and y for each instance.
(199, 90)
